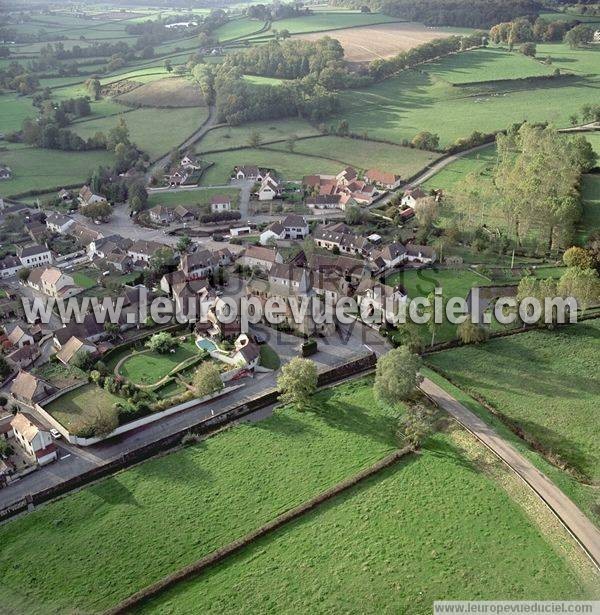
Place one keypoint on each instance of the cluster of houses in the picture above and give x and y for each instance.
(269, 188)
(346, 188)
(163, 215)
(181, 173)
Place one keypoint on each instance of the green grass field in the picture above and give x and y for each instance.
(395, 543)
(422, 282)
(269, 131)
(258, 80)
(481, 163)
(545, 381)
(155, 131)
(584, 61)
(37, 169)
(365, 155)
(192, 198)
(590, 219)
(84, 280)
(75, 408)
(334, 20)
(149, 367)
(486, 65)
(398, 108)
(238, 28)
(172, 510)
(13, 110)
(289, 166)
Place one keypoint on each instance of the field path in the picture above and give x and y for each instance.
(578, 525)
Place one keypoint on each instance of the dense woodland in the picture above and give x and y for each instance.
(467, 13)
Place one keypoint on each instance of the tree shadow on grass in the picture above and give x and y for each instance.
(113, 492)
(345, 416)
(283, 422)
(182, 466)
(584, 461)
(442, 448)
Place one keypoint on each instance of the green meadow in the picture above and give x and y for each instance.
(395, 543)
(37, 169)
(155, 131)
(546, 382)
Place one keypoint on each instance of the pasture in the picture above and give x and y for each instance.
(398, 108)
(546, 382)
(365, 155)
(39, 169)
(289, 166)
(230, 137)
(395, 543)
(163, 514)
(583, 61)
(172, 93)
(480, 163)
(487, 64)
(155, 131)
(423, 282)
(238, 28)
(323, 21)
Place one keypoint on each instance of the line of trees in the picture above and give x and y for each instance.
(535, 185)
(382, 68)
(540, 30)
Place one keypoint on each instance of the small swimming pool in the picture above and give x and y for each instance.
(205, 344)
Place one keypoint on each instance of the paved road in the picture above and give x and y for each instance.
(574, 520)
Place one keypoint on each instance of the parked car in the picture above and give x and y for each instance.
(55, 434)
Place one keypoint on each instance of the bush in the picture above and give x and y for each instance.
(309, 348)
(162, 342)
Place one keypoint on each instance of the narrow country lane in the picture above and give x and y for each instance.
(583, 530)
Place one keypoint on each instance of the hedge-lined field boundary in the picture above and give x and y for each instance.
(219, 555)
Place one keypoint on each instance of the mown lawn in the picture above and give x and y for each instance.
(75, 408)
(547, 382)
(431, 528)
(193, 198)
(269, 358)
(114, 537)
(148, 367)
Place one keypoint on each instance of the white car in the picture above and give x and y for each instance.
(55, 434)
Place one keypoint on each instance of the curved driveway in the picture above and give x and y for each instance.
(580, 527)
